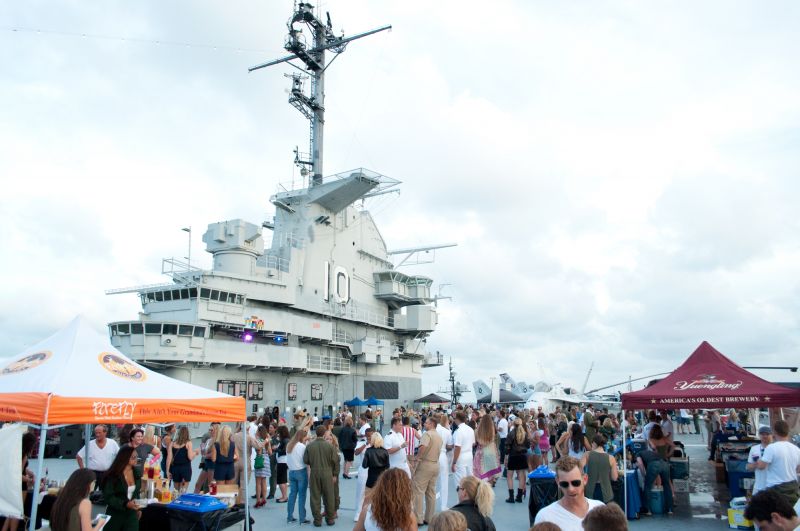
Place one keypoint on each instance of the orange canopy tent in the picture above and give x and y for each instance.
(76, 377)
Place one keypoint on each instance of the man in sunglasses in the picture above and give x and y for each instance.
(572, 508)
(756, 453)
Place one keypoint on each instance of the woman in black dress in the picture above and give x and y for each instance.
(517, 444)
(282, 467)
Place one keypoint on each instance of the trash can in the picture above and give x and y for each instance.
(193, 521)
(542, 492)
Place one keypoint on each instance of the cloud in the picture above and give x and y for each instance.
(620, 179)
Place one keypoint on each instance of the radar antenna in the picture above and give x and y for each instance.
(313, 106)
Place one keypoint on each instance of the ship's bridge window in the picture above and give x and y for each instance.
(232, 298)
(167, 295)
(159, 296)
(184, 294)
(199, 331)
(152, 328)
(176, 294)
(136, 328)
(151, 297)
(184, 330)
(170, 329)
(205, 293)
(214, 295)
(193, 293)
(239, 299)
(124, 329)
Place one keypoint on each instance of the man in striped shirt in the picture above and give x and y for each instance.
(410, 435)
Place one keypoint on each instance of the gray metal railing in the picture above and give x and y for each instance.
(361, 315)
(328, 363)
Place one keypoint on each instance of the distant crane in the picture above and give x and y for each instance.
(586, 381)
(456, 388)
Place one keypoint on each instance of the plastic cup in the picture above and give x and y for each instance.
(151, 473)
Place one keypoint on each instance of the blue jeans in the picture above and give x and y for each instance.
(657, 469)
(298, 487)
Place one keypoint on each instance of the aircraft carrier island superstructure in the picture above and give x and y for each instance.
(320, 314)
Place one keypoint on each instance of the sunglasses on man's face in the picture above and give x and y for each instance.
(574, 483)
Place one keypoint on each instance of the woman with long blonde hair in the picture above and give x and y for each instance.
(475, 502)
(224, 454)
(517, 445)
(150, 436)
(486, 459)
(389, 504)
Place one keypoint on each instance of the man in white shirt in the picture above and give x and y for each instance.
(362, 430)
(102, 452)
(395, 444)
(463, 441)
(781, 460)
(756, 452)
(502, 432)
(666, 426)
(443, 486)
(568, 513)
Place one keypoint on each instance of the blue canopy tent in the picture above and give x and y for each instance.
(372, 401)
(355, 402)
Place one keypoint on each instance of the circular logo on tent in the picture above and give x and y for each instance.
(28, 362)
(121, 367)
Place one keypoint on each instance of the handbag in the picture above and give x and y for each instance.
(258, 463)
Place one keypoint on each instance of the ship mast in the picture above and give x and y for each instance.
(313, 106)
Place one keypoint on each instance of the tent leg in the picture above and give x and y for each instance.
(624, 466)
(38, 478)
(246, 463)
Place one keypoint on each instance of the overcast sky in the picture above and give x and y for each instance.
(621, 177)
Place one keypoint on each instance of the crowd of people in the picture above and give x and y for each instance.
(403, 475)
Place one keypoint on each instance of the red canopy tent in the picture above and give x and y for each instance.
(709, 380)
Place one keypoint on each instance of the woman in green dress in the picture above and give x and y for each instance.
(120, 489)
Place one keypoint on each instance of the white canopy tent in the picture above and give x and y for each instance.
(76, 377)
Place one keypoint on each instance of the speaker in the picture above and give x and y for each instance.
(71, 441)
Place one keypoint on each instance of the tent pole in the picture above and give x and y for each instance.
(245, 467)
(624, 466)
(87, 435)
(38, 478)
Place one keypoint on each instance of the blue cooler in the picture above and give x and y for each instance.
(735, 482)
(656, 501)
(197, 503)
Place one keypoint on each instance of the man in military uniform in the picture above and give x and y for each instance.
(324, 462)
(590, 423)
(427, 472)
